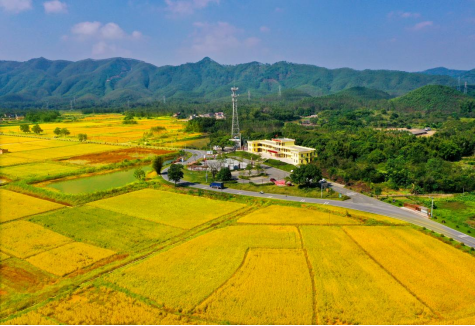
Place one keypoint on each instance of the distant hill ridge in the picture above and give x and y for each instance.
(116, 80)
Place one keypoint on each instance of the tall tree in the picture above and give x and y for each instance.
(37, 129)
(175, 173)
(157, 164)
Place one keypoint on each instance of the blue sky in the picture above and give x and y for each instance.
(376, 34)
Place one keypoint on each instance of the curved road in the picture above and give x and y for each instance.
(358, 201)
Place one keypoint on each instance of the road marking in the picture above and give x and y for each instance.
(463, 236)
(269, 196)
(303, 200)
(239, 193)
(326, 203)
(351, 194)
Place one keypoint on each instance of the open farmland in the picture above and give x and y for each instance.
(176, 210)
(106, 229)
(182, 277)
(69, 258)
(119, 155)
(159, 257)
(272, 287)
(23, 239)
(15, 205)
(292, 215)
(44, 169)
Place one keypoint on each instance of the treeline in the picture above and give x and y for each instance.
(396, 158)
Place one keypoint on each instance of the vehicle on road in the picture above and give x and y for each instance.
(217, 185)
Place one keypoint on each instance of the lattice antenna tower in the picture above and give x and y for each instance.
(280, 91)
(164, 99)
(249, 95)
(465, 88)
(235, 133)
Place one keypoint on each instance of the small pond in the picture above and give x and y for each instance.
(98, 182)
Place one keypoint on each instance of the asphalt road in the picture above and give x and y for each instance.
(358, 201)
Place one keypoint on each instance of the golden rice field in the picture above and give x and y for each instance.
(23, 239)
(42, 169)
(15, 144)
(292, 215)
(43, 154)
(3, 256)
(109, 128)
(101, 305)
(14, 205)
(272, 287)
(182, 211)
(69, 258)
(351, 288)
(184, 276)
(31, 318)
(440, 275)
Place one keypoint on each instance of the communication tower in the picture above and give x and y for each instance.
(465, 89)
(458, 87)
(164, 100)
(235, 133)
(249, 95)
(280, 91)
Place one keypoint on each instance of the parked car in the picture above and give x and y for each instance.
(217, 185)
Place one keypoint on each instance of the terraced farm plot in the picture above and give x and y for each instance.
(103, 306)
(105, 228)
(31, 318)
(15, 205)
(182, 211)
(23, 239)
(34, 144)
(272, 287)
(440, 275)
(351, 288)
(184, 276)
(119, 155)
(69, 258)
(25, 171)
(292, 215)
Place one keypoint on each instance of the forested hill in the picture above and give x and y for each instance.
(116, 80)
(465, 75)
(434, 98)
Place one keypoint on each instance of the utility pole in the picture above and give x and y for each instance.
(458, 87)
(465, 89)
(280, 91)
(432, 209)
(164, 100)
(248, 95)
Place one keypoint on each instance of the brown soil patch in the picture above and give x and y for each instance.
(22, 280)
(119, 155)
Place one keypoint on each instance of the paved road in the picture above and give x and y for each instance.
(358, 201)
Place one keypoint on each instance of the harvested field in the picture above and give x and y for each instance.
(69, 258)
(182, 211)
(272, 287)
(364, 216)
(20, 277)
(119, 155)
(292, 215)
(104, 306)
(105, 228)
(184, 276)
(23, 239)
(15, 205)
(440, 275)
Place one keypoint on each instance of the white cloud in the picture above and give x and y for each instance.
(112, 31)
(86, 28)
(55, 7)
(404, 14)
(422, 25)
(104, 39)
(220, 37)
(187, 7)
(264, 29)
(16, 6)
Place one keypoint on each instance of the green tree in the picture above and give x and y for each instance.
(224, 174)
(157, 164)
(139, 174)
(175, 173)
(306, 175)
(37, 129)
(82, 137)
(378, 191)
(25, 128)
(57, 131)
(65, 132)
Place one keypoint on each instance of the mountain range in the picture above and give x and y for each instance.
(113, 81)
